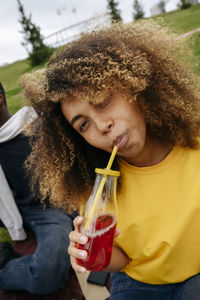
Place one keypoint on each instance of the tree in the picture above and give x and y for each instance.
(185, 4)
(138, 10)
(38, 52)
(161, 5)
(113, 11)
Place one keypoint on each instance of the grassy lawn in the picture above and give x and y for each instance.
(196, 50)
(9, 76)
(183, 20)
(4, 235)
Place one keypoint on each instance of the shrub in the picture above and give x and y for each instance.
(40, 56)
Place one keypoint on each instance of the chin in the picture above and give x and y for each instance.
(132, 152)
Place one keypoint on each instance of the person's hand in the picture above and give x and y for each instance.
(77, 237)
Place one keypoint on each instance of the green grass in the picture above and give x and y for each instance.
(183, 20)
(195, 42)
(9, 76)
(4, 235)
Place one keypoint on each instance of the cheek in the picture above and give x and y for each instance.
(139, 125)
(91, 138)
(142, 132)
(142, 126)
(97, 141)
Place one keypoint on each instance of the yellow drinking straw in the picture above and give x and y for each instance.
(100, 189)
(109, 165)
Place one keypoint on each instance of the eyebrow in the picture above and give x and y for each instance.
(74, 119)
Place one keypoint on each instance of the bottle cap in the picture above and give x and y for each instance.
(107, 172)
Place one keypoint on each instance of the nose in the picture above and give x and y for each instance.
(104, 126)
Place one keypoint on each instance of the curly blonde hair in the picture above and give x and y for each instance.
(138, 59)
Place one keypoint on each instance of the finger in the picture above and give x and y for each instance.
(77, 222)
(77, 237)
(77, 253)
(77, 267)
(117, 232)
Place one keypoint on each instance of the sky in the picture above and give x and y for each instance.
(54, 15)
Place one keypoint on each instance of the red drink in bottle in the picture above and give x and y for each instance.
(99, 245)
(99, 226)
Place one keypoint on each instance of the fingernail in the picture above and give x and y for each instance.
(82, 254)
(77, 220)
(82, 269)
(83, 239)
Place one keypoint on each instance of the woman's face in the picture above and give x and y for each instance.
(112, 122)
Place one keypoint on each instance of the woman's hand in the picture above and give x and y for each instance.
(77, 237)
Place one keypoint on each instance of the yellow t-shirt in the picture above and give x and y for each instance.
(159, 218)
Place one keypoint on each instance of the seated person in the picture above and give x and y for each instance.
(46, 270)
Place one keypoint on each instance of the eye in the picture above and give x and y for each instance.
(83, 125)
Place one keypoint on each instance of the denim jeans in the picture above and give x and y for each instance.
(46, 270)
(124, 287)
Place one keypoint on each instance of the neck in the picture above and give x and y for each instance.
(4, 116)
(152, 153)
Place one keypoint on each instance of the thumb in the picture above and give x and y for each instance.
(117, 232)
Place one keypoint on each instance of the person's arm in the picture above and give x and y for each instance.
(118, 260)
(9, 213)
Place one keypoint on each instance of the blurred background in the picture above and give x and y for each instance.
(31, 30)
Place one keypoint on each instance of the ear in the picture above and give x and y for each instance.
(1, 98)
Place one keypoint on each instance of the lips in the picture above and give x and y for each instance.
(121, 140)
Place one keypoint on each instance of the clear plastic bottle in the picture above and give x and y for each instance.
(102, 223)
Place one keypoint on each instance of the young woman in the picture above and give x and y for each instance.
(125, 85)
